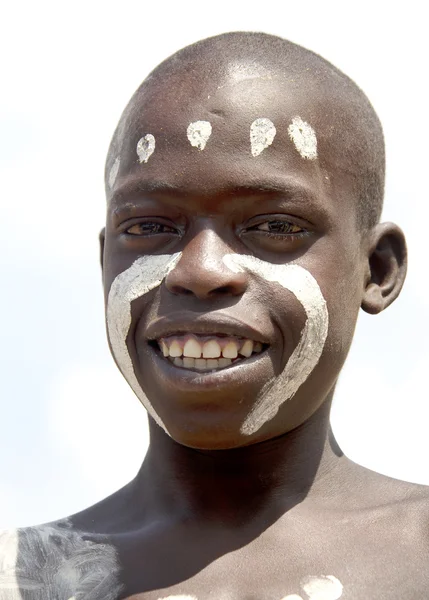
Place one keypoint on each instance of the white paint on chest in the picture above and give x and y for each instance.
(262, 134)
(145, 274)
(304, 138)
(199, 133)
(307, 353)
(323, 587)
(145, 147)
(54, 562)
(114, 172)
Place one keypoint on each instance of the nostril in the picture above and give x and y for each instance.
(223, 290)
(179, 290)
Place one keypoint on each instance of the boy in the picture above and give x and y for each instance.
(244, 187)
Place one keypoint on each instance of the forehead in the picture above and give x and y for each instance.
(163, 110)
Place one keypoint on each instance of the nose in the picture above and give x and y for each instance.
(201, 271)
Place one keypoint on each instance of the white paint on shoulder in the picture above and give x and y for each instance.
(307, 353)
(145, 274)
(199, 133)
(55, 561)
(114, 172)
(323, 587)
(304, 137)
(9, 589)
(262, 134)
(145, 147)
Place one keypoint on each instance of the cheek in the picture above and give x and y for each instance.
(342, 293)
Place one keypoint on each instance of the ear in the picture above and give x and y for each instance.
(102, 238)
(387, 267)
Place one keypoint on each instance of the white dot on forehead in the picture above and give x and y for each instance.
(199, 133)
(114, 172)
(262, 134)
(304, 137)
(325, 587)
(145, 147)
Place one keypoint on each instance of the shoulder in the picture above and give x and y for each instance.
(59, 558)
(403, 503)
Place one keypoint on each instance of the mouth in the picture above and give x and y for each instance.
(208, 352)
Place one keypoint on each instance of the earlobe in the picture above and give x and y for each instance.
(102, 238)
(387, 267)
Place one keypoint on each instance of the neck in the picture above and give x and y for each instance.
(223, 486)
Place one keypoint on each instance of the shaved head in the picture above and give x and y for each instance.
(231, 65)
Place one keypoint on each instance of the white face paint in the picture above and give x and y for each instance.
(145, 274)
(145, 147)
(73, 565)
(306, 355)
(292, 597)
(114, 172)
(148, 272)
(199, 133)
(325, 587)
(304, 137)
(262, 134)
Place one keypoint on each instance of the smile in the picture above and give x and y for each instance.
(207, 352)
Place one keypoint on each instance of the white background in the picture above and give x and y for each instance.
(68, 69)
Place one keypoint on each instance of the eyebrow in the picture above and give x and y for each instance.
(288, 187)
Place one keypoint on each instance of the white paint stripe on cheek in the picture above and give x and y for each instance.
(199, 133)
(145, 274)
(325, 587)
(262, 134)
(145, 147)
(307, 353)
(304, 138)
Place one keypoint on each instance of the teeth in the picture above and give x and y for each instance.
(211, 349)
(209, 355)
(247, 348)
(225, 362)
(164, 348)
(212, 363)
(175, 348)
(230, 350)
(192, 348)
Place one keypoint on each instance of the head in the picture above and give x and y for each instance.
(244, 190)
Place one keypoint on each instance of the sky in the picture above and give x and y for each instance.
(72, 431)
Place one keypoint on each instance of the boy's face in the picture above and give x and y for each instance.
(209, 213)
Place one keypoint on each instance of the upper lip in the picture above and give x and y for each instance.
(188, 323)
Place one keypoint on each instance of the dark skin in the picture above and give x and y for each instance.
(213, 512)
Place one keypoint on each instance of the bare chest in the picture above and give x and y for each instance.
(335, 560)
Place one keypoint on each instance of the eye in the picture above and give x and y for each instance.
(147, 228)
(277, 227)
